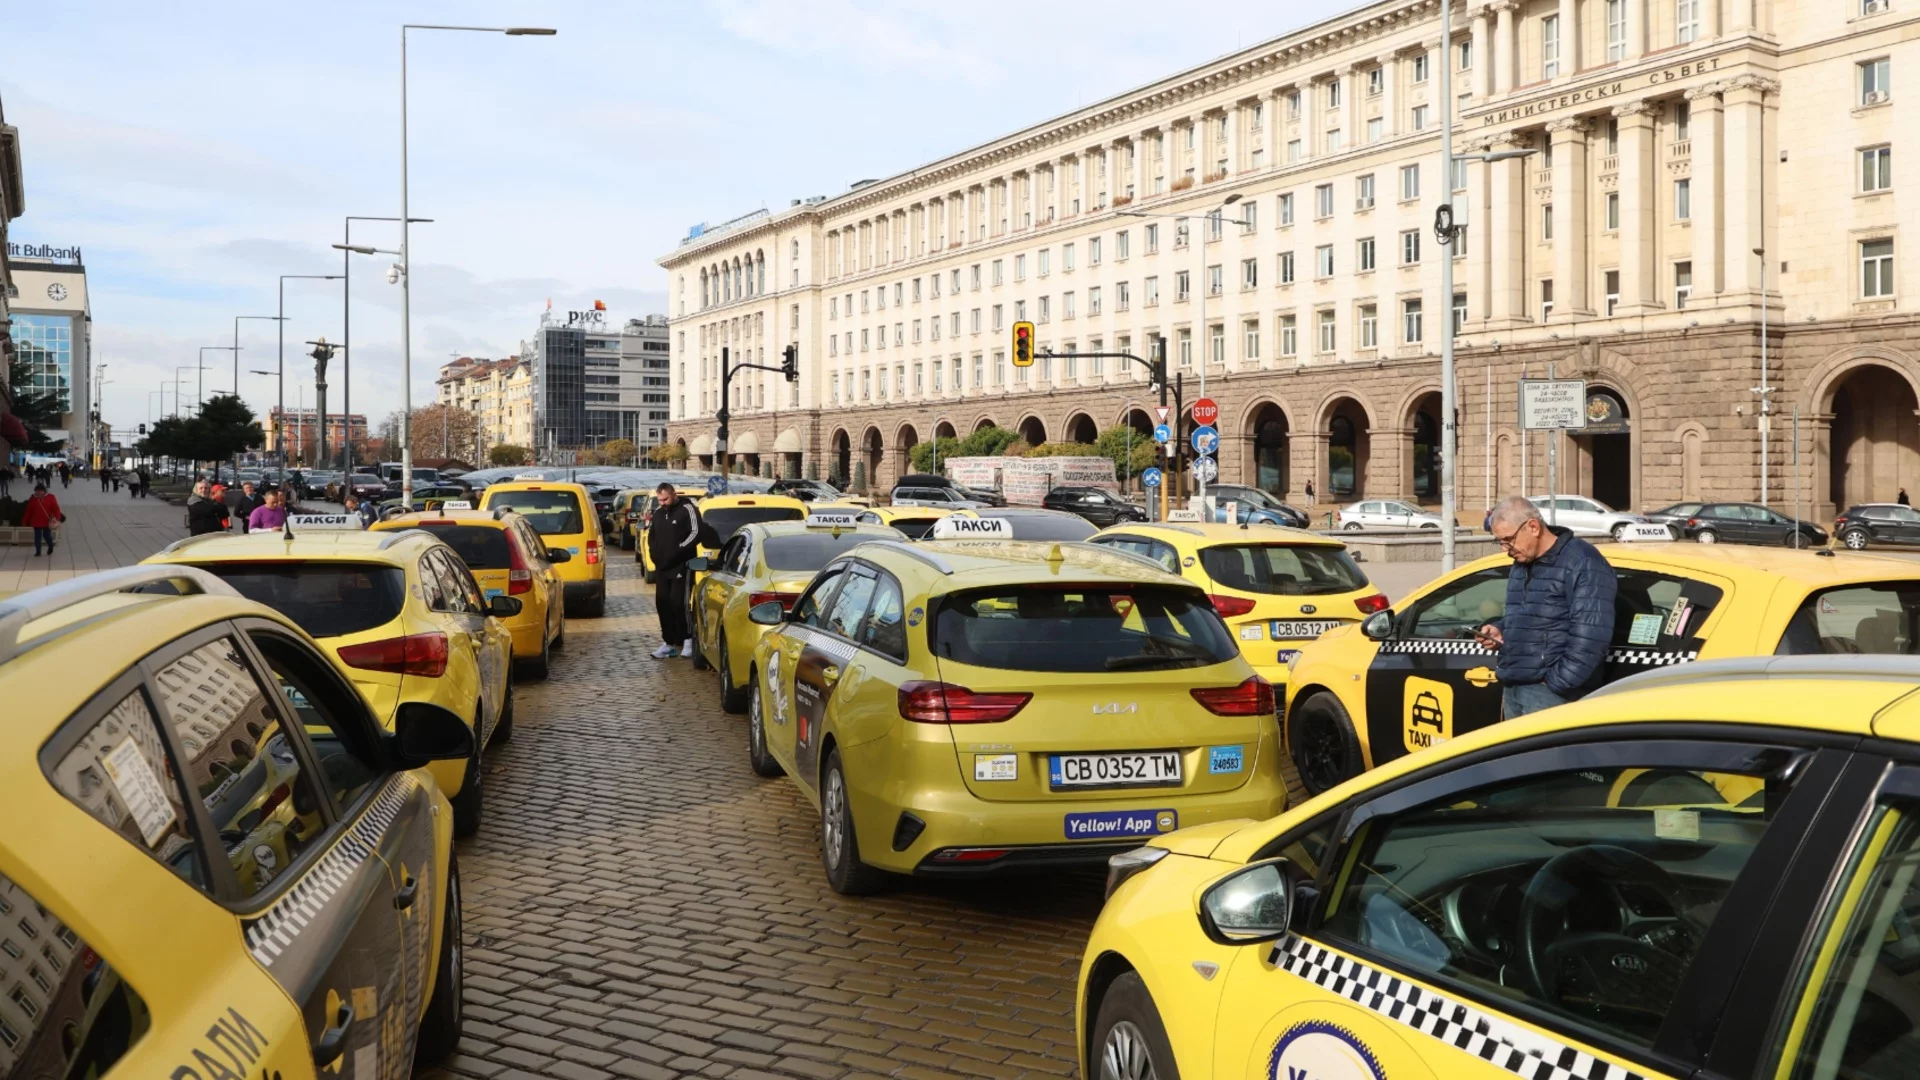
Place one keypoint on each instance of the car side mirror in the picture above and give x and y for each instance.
(1378, 626)
(503, 606)
(699, 564)
(1250, 905)
(769, 613)
(559, 555)
(424, 733)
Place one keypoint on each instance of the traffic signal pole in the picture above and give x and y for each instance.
(1156, 372)
(789, 367)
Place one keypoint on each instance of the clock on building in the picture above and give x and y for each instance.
(56, 291)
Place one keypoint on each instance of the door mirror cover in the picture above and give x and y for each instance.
(699, 564)
(424, 733)
(769, 613)
(1250, 905)
(503, 606)
(1378, 626)
(559, 555)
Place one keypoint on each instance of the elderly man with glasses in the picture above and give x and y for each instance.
(1558, 624)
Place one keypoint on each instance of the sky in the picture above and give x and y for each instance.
(197, 152)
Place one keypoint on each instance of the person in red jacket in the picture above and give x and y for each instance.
(41, 513)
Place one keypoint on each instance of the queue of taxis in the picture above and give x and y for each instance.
(1705, 870)
(222, 863)
(563, 514)
(398, 611)
(976, 703)
(913, 522)
(1414, 675)
(761, 562)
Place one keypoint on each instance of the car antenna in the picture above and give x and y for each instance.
(286, 528)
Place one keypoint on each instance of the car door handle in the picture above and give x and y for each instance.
(332, 1043)
(1482, 676)
(408, 892)
(830, 674)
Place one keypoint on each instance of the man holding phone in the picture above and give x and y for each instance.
(1558, 624)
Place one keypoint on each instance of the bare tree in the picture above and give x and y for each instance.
(442, 431)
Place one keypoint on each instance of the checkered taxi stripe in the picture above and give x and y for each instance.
(1470, 647)
(1497, 1042)
(273, 931)
(840, 649)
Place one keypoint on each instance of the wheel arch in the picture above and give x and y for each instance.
(1101, 974)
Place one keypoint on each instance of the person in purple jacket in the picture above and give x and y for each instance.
(268, 515)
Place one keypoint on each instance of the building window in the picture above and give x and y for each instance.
(1376, 81)
(1686, 21)
(1333, 94)
(1215, 280)
(1419, 118)
(1066, 305)
(1335, 140)
(1250, 339)
(1613, 291)
(1683, 200)
(1410, 248)
(1217, 344)
(1122, 244)
(1326, 339)
(1459, 175)
(1293, 105)
(1613, 211)
(1289, 336)
(1286, 268)
(1613, 135)
(1463, 53)
(1409, 182)
(1546, 299)
(1374, 130)
(1550, 46)
(1214, 219)
(1093, 251)
(1369, 326)
(1093, 300)
(1412, 323)
(1876, 168)
(1364, 254)
(1185, 350)
(1546, 221)
(1249, 273)
(1323, 201)
(1876, 268)
(1046, 262)
(1046, 310)
(1459, 312)
(1616, 29)
(1285, 208)
(1019, 268)
(1323, 261)
(1420, 69)
(1249, 218)
(1153, 239)
(1682, 285)
(1875, 81)
(1123, 296)
(1293, 151)
(1363, 192)
(1152, 286)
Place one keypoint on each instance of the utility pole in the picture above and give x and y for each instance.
(789, 367)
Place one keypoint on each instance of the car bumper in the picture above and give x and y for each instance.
(529, 635)
(577, 591)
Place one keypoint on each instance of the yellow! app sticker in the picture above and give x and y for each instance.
(1428, 713)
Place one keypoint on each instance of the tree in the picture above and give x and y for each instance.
(224, 427)
(506, 455)
(617, 452)
(1062, 449)
(668, 454)
(37, 412)
(1113, 443)
(442, 431)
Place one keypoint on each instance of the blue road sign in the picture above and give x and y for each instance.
(1205, 440)
(1151, 476)
(1205, 470)
(1162, 433)
(716, 485)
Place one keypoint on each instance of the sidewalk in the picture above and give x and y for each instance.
(102, 531)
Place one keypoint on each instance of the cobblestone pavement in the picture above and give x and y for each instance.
(639, 904)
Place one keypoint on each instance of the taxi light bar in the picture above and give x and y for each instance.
(945, 703)
(1231, 606)
(414, 654)
(1370, 604)
(1251, 698)
(786, 599)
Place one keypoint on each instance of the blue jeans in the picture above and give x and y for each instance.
(1519, 699)
(40, 533)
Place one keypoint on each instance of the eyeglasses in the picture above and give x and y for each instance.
(1506, 542)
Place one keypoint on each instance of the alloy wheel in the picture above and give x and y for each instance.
(833, 828)
(1125, 1055)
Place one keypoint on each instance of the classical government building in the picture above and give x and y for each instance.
(1710, 208)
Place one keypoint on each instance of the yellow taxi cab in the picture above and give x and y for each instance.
(761, 562)
(563, 514)
(1702, 871)
(625, 515)
(691, 492)
(398, 611)
(221, 863)
(1415, 675)
(969, 707)
(723, 515)
(507, 558)
(914, 522)
(1277, 588)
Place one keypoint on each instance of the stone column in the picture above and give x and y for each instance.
(1356, 85)
(1745, 225)
(1390, 96)
(1505, 55)
(1571, 298)
(1639, 209)
(1389, 451)
(1479, 283)
(1482, 57)
(1506, 235)
(1231, 140)
(1570, 55)
(1708, 176)
(1710, 19)
(1636, 29)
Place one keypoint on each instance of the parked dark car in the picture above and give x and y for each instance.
(1101, 507)
(1258, 507)
(1877, 523)
(967, 494)
(1675, 517)
(1750, 523)
(364, 486)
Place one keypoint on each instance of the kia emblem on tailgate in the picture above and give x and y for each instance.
(1116, 707)
(1308, 609)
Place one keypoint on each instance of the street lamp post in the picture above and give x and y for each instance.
(200, 387)
(280, 390)
(346, 333)
(406, 264)
(179, 380)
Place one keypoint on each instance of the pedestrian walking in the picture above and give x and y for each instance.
(106, 475)
(143, 481)
(1310, 493)
(1553, 638)
(66, 475)
(673, 537)
(205, 514)
(6, 482)
(1903, 500)
(269, 515)
(42, 514)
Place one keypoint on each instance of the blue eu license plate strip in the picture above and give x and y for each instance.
(1120, 824)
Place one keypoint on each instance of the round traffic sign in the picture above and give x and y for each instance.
(1150, 477)
(1162, 433)
(716, 485)
(1205, 411)
(1205, 470)
(1205, 440)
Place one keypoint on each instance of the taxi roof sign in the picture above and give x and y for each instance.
(957, 527)
(832, 519)
(324, 523)
(1644, 532)
(457, 504)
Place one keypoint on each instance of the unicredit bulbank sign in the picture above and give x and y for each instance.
(43, 251)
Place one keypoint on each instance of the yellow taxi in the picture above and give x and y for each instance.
(221, 863)
(628, 506)
(988, 705)
(1703, 871)
(762, 562)
(563, 514)
(914, 522)
(723, 515)
(1414, 675)
(691, 492)
(398, 611)
(507, 558)
(1277, 588)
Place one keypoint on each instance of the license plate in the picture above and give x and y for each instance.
(1148, 768)
(1120, 824)
(1300, 629)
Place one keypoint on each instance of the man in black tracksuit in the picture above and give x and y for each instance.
(673, 538)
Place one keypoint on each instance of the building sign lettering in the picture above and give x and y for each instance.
(1601, 92)
(586, 320)
(43, 251)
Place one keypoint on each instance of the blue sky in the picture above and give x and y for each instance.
(197, 152)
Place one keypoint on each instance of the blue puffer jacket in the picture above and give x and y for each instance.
(1559, 618)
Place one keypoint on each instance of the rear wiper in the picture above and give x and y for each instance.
(1161, 650)
(1150, 660)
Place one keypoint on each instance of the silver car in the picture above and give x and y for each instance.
(944, 498)
(1586, 517)
(1386, 514)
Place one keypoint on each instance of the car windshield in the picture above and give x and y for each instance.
(552, 513)
(1081, 628)
(481, 547)
(1881, 617)
(324, 599)
(1251, 495)
(727, 520)
(1044, 526)
(1282, 570)
(808, 551)
(914, 528)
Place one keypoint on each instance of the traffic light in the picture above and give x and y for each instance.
(1023, 344)
(143, 429)
(790, 364)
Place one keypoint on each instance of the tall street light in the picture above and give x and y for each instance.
(236, 343)
(179, 380)
(346, 332)
(406, 265)
(200, 387)
(280, 390)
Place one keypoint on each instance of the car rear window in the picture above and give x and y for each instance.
(324, 599)
(1282, 570)
(479, 546)
(551, 512)
(727, 520)
(810, 551)
(1081, 628)
(915, 528)
(1047, 527)
(1881, 618)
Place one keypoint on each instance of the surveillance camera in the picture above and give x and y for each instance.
(393, 274)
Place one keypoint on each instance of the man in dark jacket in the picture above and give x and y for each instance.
(1559, 618)
(205, 514)
(673, 538)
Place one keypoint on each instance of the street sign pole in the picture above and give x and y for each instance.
(1553, 406)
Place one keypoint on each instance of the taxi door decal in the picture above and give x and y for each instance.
(1321, 1050)
(1427, 713)
(811, 691)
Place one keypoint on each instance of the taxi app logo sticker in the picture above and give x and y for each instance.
(1318, 1050)
(1428, 715)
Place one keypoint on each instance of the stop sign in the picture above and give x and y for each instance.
(1205, 411)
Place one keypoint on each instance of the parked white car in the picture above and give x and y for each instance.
(1586, 517)
(944, 498)
(1386, 514)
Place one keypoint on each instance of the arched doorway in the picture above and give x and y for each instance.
(1081, 429)
(944, 430)
(1032, 431)
(1875, 448)
(1140, 421)
(1606, 448)
(904, 441)
(1269, 429)
(1347, 450)
(985, 423)
(842, 467)
(873, 456)
(1423, 459)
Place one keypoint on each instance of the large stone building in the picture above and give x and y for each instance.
(499, 394)
(302, 428)
(51, 326)
(1701, 168)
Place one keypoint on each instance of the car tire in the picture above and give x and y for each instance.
(1617, 530)
(1351, 526)
(596, 607)
(839, 846)
(542, 666)
(1708, 536)
(1322, 743)
(471, 802)
(1430, 525)
(560, 635)
(1129, 1040)
(503, 728)
(445, 1018)
(1855, 539)
(733, 699)
(762, 762)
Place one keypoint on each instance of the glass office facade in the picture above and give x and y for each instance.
(44, 343)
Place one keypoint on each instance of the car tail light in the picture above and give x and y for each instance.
(414, 654)
(945, 703)
(1370, 604)
(593, 552)
(1231, 606)
(786, 599)
(1251, 698)
(1693, 523)
(519, 574)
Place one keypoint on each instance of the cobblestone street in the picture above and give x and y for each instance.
(639, 904)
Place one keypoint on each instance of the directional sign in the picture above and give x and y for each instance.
(716, 485)
(1162, 433)
(1205, 411)
(1205, 470)
(1161, 413)
(1150, 477)
(1205, 440)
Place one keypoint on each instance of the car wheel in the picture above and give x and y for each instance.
(540, 668)
(1618, 529)
(560, 635)
(1322, 743)
(839, 847)
(1351, 526)
(1855, 539)
(597, 606)
(440, 1028)
(1708, 536)
(1129, 1041)
(467, 805)
(1431, 525)
(503, 728)
(762, 762)
(733, 699)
